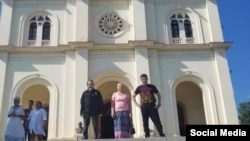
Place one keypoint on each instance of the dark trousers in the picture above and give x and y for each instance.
(27, 134)
(46, 134)
(86, 120)
(147, 111)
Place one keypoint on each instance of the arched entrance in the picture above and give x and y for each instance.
(37, 93)
(107, 89)
(190, 106)
(40, 84)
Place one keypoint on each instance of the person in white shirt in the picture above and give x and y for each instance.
(14, 130)
(37, 122)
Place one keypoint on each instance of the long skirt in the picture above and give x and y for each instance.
(121, 124)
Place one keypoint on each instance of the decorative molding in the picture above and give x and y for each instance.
(130, 45)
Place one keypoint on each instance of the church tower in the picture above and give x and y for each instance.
(50, 48)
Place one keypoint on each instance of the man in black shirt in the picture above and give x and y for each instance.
(25, 119)
(91, 107)
(148, 106)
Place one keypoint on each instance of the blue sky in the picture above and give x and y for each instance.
(235, 20)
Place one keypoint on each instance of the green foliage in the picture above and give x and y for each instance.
(244, 112)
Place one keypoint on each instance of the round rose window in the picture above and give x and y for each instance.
(110, 24)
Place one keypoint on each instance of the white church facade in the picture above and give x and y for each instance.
(50, 48)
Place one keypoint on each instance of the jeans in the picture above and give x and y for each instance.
(147, 111)
(27, 134)
(86, 120)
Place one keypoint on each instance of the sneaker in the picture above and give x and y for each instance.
(147, 136)
(84, 138)
(162, 135)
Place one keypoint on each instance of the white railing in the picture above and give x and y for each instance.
(189, 40)
(31, 43)
(176, 40)
(45, 42)
(179, 41)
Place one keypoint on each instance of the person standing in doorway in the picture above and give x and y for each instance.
(91, 108)
(121, 112)
(46, 108)
(37, 122)
(14, 130)
(148, 105)
(25, 119)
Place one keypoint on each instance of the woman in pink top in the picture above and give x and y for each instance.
(121, 112)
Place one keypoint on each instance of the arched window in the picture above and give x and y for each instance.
(188, 29)
(46, 31)
(39, 31)
(181, 28)
(32, 31)
(175, 29)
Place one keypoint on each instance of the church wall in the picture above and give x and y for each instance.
(164, 66)
(173, 64)
(22, 65)
(69, 70)
(164, 10)
(157, 20)
(121, 62)
(23, 9)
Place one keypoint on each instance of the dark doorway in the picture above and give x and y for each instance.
(181, 117)
(107, 122)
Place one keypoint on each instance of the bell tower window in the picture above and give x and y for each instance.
(39, 31)
(181, 28)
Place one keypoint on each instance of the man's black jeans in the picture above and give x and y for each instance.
(149, 110)
(86, 120)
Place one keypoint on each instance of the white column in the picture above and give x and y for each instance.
(225, 97)
(170, 106)
(71, 21)
(6, 19)
(172, 113)
(182, 33)
(214, 20)
(150, 13)
(81, 78)
(69, 101)
(39, 34)
(156, 80)
(3, 68)
(138, 20)
(142, 66)
(82, 20)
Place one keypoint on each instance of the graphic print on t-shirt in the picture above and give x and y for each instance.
(146, 96)
(147, 93)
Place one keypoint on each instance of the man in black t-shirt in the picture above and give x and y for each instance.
(148, 105)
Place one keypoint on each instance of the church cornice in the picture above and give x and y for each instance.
(130, 45)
